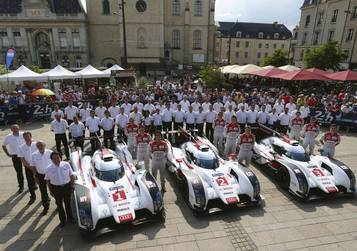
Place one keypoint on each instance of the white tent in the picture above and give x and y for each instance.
(268, 67)
(108, 72)
(246, 69)
(228, 68)
(289, 68)
(91, 72)
(23, 74)
(59, 72)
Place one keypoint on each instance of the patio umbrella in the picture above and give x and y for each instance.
(289, 68)
(300, 75)
(343, 76)
(42, 92)
(269, 72)
(318, 71)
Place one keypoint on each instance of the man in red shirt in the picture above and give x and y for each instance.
(232, 131)
(296, 125)
(218, 134)
(310, 132)
(246, 143)
(158, 151)
(329, 141)
(142, 147)
(131, 131)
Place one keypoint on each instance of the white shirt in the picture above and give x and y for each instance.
(273, 117)
(185, 105)
(41, 161)
(205, 106)
(217, 106)
(291, 107)
(122, 120)
(210, 116)
(100, 111)
(107, 123)
(242, 117)
(305, 111)
(262, 117)
(230, 103)
(173, 106)
(85, 113)
(252, 117)
(284, 119)
(195, 106)
(190, 117)
(127, 108)
(70, 112)
(157, 118)
(114, 111)
(148, 121)
(179, 116)
(245, 105)
(227, 116)
(26, 151)
(76, 130)
(137, 117)
(93, 124)
(59, 175)
(139, 106)
(60, 112)
(14, 143)
(59, 127)
(166, 115)
(200, 117)
(279, 108)
(149, 107)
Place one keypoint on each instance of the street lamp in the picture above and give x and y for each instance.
(124, 60)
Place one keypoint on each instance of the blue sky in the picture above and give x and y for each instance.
(263, 11)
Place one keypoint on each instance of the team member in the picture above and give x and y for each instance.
(100, 110)
(252, 116)
(93, 124)
(114, 110)
(157, 120)
(310, 132)
(242, 116)
(284, 120)
(273, 119)
(14, 140)
(296, 125)
(200, 120)
(142, 147)
(77, 131)
(107, 123)
(59, 127)
(149, 107)
(126, 106)
(60, 181)
(136, 115)
(210, 117)
(329, 141)
(167, 118)
(70, 111)
(55, 111)
(232, 131)
(25, 153)
(263, 116)
(218, 134)
(131, 131)
(121, 121)
(84, 113)
(178, 117)
(190, 118)
(40, 161)
(246, 143)
(158, 151)
(227, 115)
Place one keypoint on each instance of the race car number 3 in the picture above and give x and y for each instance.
(221, 181)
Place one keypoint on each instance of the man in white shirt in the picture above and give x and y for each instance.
(60, 181)
(121, 121)
(77, 131)
(84, 113)
(291, 106)
(227, 115)
(242, 117)
(14, 140)
(217, 106)
(25, 153)
(279, 106)
(200, 120)
(70, 111)
(252, 116)
(137, 116)
(178, 117)
(167, 118)
(93, 124)
(57, 110)
(229, 103)
(185, 104)
(284, 120)
(210, 118)
(149, 107)
(196, 106)
(107, 123)
(113, 110)
(138, 105)
(100, 110)
(305, 112)
(157, 120)
(206, 105)
(59, 127)
(41, 159)
(272, 119)
(126, 106)
(190, 118)
(263, 116)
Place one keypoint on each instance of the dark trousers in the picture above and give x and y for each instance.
(190, 126)
(199, 127)
(94, 141)
(121, 135)
(22, 109)
(16, 161)
(242, 127)
(78, 142)
(62, 195)
(177, 126)
(62, 138)
(167, 126)
(30, 182)
(109, 136)
(209, 131)
(283, 129)
(43, 190)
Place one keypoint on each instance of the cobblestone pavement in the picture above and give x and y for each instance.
(284, 223)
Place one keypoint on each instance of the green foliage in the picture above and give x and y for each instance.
(2, 69)
(36, 69)
(327, 56)
(143, 83)
(211, 76)
(279, 58)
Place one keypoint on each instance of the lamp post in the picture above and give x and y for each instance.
(124, 60)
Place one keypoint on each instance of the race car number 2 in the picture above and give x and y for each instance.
(221, 181)
(119, 195)
(317, 172)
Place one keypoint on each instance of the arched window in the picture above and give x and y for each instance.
(141, 38)
(78, 62)
(65, 61)
(175, 39)
(261, 35)
(197, 39)
(106, 7)
(198, 8)
(176, 8)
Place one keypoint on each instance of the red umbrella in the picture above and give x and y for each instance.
(318, 71)
(269, 72)
(300, 75)
(343, 75)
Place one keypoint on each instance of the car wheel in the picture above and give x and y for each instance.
(161, 216)
(283, 178)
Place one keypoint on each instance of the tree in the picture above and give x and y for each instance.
(36, 69)
(211, 76)
(2, 69)
(327, 56)
(279, 58)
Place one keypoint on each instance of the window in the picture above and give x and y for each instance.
(334, 16)
(175, 39)
(246, 44)
(176, 8)
(78, 62)
(239, 34)
(302, 55)
(307, 21)
(197, 40)
(198, 8)
(282, 46)
(237, 54)
(20, 60)
(296, 35)
(266, 54)
(16, 34)
(304, 38)
(3, 33)
(17, 38)
(261, 35)
(316, 38)
(65, 61)
(260, 46)
(350, 35)
(237, 43)
(62, 38)
(320, 18)
(106, 7)
(245, 54)
(274, 46)
(354, 13)
(76, 38)
(331, 35)
(267, 46)
(276, 35)
(4, 38)
(259, 55)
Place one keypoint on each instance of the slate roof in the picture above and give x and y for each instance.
(56, 6)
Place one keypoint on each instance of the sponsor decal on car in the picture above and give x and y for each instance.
(126, 217)
(122, 209)
(119, 195)
(222, 181)
(217, 174)
(83, 199)
(250, 174)
(332, 189)
(115, 188)
(232, 200)
(318, 172)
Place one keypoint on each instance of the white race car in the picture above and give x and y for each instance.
(207, 180)
(308, 177)
(109, 189)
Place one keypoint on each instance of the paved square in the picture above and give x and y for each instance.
(283, 224)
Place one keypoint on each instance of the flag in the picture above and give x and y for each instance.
(10, 55)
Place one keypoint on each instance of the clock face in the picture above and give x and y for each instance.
(141, 6)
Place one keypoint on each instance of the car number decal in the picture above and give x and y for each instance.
(221, 181)
(119, 195)
(317, 172)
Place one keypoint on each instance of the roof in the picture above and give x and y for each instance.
(252, 30)
(309, 3)
(56, 6)
(10, 6)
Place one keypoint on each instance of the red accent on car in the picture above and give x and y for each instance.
(179, 160)
(332, 189)
(232, 200)
(126, 218)
(93, 182)
(188, 164)
(286, 139)
(275, 165)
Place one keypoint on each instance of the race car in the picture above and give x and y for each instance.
(308, 177)
(109, 190)
(209, 182)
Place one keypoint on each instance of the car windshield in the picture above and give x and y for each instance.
(207, 163)
(299, 156)
(110, 175)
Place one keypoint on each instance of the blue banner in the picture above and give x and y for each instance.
(10, 55)
(339, 118)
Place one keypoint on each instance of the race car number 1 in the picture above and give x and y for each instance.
(221, 181)
(119, 195)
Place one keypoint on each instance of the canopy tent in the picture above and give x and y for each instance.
(343, 76)
(318, 71)
(23, 74)
(268, 67)
(289, 68)
(246, 69)
(91, 72)
(300, 75)
(228, 69)
(59, 73)
(269, 72)
(108, 72)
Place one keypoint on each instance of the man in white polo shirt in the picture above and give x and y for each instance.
(121, 121)
(59, 127)
(70, 111)
(40, 162)
(14, 140)
(93, 124)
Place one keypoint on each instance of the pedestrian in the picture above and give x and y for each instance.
(142, 147)
(93, 125)
(284, 120)
(157, 120)
(25, 153)
(218, 135)
(330, 140)
(121, 121)
(252, 116)
(77, 132)
(107, 123)
(84, 113)
(246, 143)
(210, 118)
(232, 131)
(57, 111)
(131, 131)
(310, 132)
(242, 117)
(263, 116)
(14, 140)
(167, 118)
(60, 182)
(200, 120)
(59, 127)
(296, 125)
(190, 118)
(70, 111)
(99, 111)
(273, 118)
(41, 159)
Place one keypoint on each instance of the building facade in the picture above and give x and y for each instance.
(249, 43)
(328, 20)
(44, 32)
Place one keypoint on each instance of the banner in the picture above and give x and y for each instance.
(9, 58)
(339, 118)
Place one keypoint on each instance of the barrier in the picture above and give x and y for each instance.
(339, 118)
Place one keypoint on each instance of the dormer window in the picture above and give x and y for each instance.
(239, 34)
(276, 35)
(260, 35)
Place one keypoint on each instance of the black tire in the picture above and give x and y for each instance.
(283, 178)
(86, 234)
(161, 216)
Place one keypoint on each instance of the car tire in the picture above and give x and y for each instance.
(161, 216)
(283, 178)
